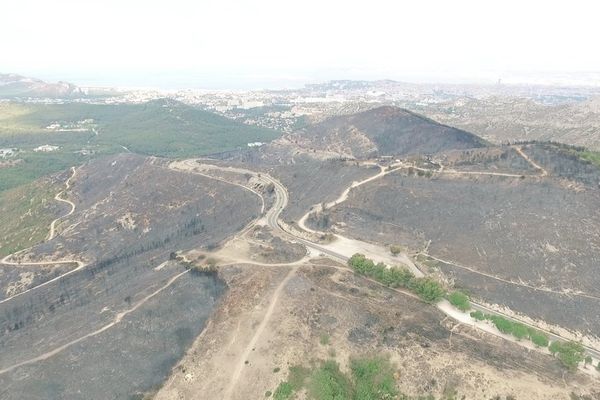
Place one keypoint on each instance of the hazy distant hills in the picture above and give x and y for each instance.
(511, 119)
(386, 131)
(13, 85)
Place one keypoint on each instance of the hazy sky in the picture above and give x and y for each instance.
(218, 43)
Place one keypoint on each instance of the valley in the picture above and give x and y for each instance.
(224, 273)
(233, 200)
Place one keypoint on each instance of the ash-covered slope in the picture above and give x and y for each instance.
(131, 308)
(385, 131)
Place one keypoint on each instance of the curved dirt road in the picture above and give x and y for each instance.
(52, 234)
(80, 264)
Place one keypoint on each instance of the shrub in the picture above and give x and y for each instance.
(520, 331)
(538, 338)
(398, 277)
(395, 249)
(429, 290)
(517, 329)
(459, 300)
(503, 325)
(478, 315)
(361, 264)
(324, 339)
(598, 366)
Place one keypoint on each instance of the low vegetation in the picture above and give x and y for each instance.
(426, 288)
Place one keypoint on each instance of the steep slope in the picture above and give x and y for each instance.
(386, 131)
(129, 308)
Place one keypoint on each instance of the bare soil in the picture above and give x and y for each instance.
(431, 353)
